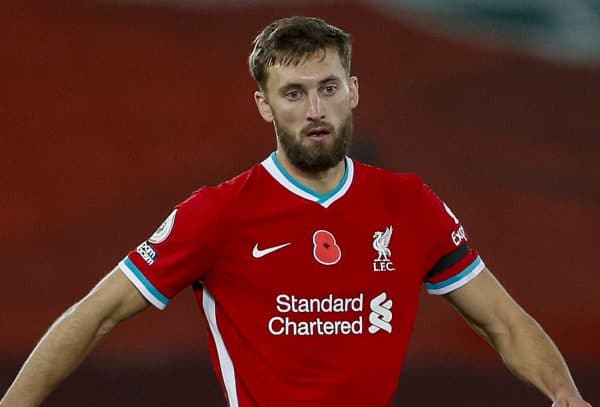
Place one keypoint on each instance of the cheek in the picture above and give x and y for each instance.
(340, 110)
(290, 114)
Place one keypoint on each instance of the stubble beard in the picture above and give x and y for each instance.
(316, 157)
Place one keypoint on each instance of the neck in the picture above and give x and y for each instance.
(322, 182)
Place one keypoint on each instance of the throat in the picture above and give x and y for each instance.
(322, 182)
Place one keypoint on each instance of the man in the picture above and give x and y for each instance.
(304, 274)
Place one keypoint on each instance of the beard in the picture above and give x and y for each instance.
(317, 156)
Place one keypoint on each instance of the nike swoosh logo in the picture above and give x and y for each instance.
(258, 253)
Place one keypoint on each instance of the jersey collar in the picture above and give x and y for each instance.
(275, 168)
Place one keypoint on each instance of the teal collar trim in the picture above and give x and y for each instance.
(276, 169)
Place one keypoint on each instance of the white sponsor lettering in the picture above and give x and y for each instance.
(147, 252)
(291, 303)
(380, 315)
(286, 326)
(458, 236)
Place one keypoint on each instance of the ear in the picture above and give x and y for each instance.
(353, 92)
(263, 106)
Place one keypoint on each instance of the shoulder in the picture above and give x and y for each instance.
(393, 183)
(225, 191)
(216, 200)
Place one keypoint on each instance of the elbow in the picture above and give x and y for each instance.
(96, 317)
(517, 338)
(106, 326)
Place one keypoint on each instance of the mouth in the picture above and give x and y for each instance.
(318, 133)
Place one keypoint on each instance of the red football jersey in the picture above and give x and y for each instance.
(310, 299)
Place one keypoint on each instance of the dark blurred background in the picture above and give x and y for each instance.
(112, 112)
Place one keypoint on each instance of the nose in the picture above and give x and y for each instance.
(315, 110)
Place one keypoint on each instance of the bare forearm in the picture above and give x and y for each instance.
(72, 337)
(523, 345)
(58, 353)
(531, 355)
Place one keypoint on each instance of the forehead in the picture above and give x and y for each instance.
(308, 70)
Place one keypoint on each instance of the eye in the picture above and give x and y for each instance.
(293, 95)
(329, 89)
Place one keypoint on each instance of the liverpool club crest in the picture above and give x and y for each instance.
(381, 242)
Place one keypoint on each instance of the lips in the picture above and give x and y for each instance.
(318, 132)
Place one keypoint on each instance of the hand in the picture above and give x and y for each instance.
(571, 401)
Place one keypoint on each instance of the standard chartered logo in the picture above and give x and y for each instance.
(329, 315)
(381, 314)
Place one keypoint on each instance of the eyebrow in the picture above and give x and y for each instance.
(330, 78)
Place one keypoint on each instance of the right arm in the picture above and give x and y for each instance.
(68, 341)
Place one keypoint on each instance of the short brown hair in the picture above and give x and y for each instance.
(291, 40)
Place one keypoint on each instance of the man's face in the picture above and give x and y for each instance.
(311, 107)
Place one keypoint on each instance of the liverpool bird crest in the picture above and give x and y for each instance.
(381, 242)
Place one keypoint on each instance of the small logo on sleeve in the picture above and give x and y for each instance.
(148, 253)
(450, 213)
(458, 236)
(164, 230)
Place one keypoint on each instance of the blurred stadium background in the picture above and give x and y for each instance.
(112, 112)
